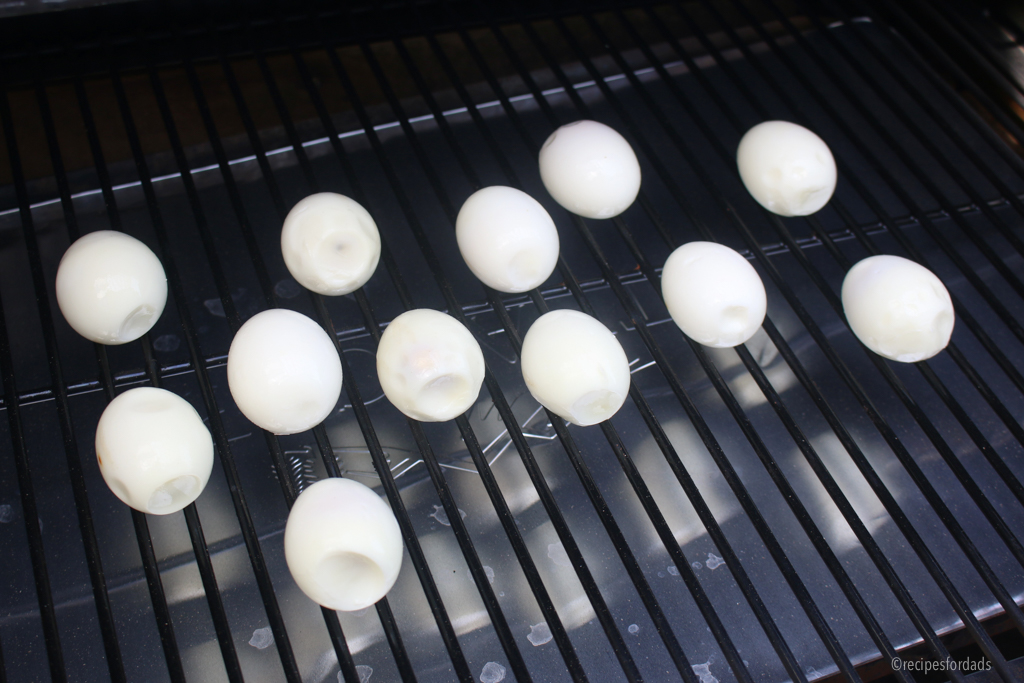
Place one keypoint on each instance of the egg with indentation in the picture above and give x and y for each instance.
(429, 365)
(284, 372)
(575, 367)
(154, 451)
(713, 294)
(590, 169)
(787, 168)
(898, 308)
(507, 239)
(330, 244)
(111, 287)
(342, 545)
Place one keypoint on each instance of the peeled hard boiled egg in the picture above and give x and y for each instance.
(429, 365)
(283, 371)
(898, 308)
(590, 169)
(153, 450)
(788, 169)
(111, 287)
(507, 239)
(575, 367)
(713, 294)
(342, 545)
(330, 244)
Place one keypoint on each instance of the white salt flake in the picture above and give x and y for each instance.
(633, 628)
(556, 551)
(671, 569)
(364, 672)
(539, 634)
(262, 638)
(704, 672)
(696, 565)
(714, 561)
(442, 517)
(492, 673)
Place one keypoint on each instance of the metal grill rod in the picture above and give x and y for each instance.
(428, 259)
(542, 306)
(1009, 479)
(995, 143)
(483, 468)
(937, 154)
(691, 162)
(380, 462)
(1007, 120)
(943, 581)
(880, 167)
(914, 91)
(203, 561)
(288, 488)
(962, 311)
(646, 500)
(984, 54)
(755, 441)
(826, 479)
(83, 509)
(805, 599)
(37, 553)
(833, 563)
(144, 540)
(437, 478)
(690, 489)
(220, 437)
(969, 484)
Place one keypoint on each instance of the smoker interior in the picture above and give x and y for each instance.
(793, 509)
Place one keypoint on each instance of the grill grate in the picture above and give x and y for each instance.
(798, 463)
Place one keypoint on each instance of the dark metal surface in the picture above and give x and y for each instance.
(788, 510)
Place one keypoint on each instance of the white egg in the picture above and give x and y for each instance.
(330, 244)
(788, 169)
(898, 308)
(111, 287)
(590, 169)
(713, 294)
(153, 450)
(429, 365)
(283, 371)
(342, 545)
(507, 239)
(575, 367)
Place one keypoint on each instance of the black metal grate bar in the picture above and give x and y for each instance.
(74, 463)
(947, 454)
(890, 437)
(985, 53)
(825, 289)
(870, 546)
(203, 561)
(609, 96)
(150, 566)
(652, 423)
(573, 453)
(380, 462)
(220, 436)
(26, 489)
